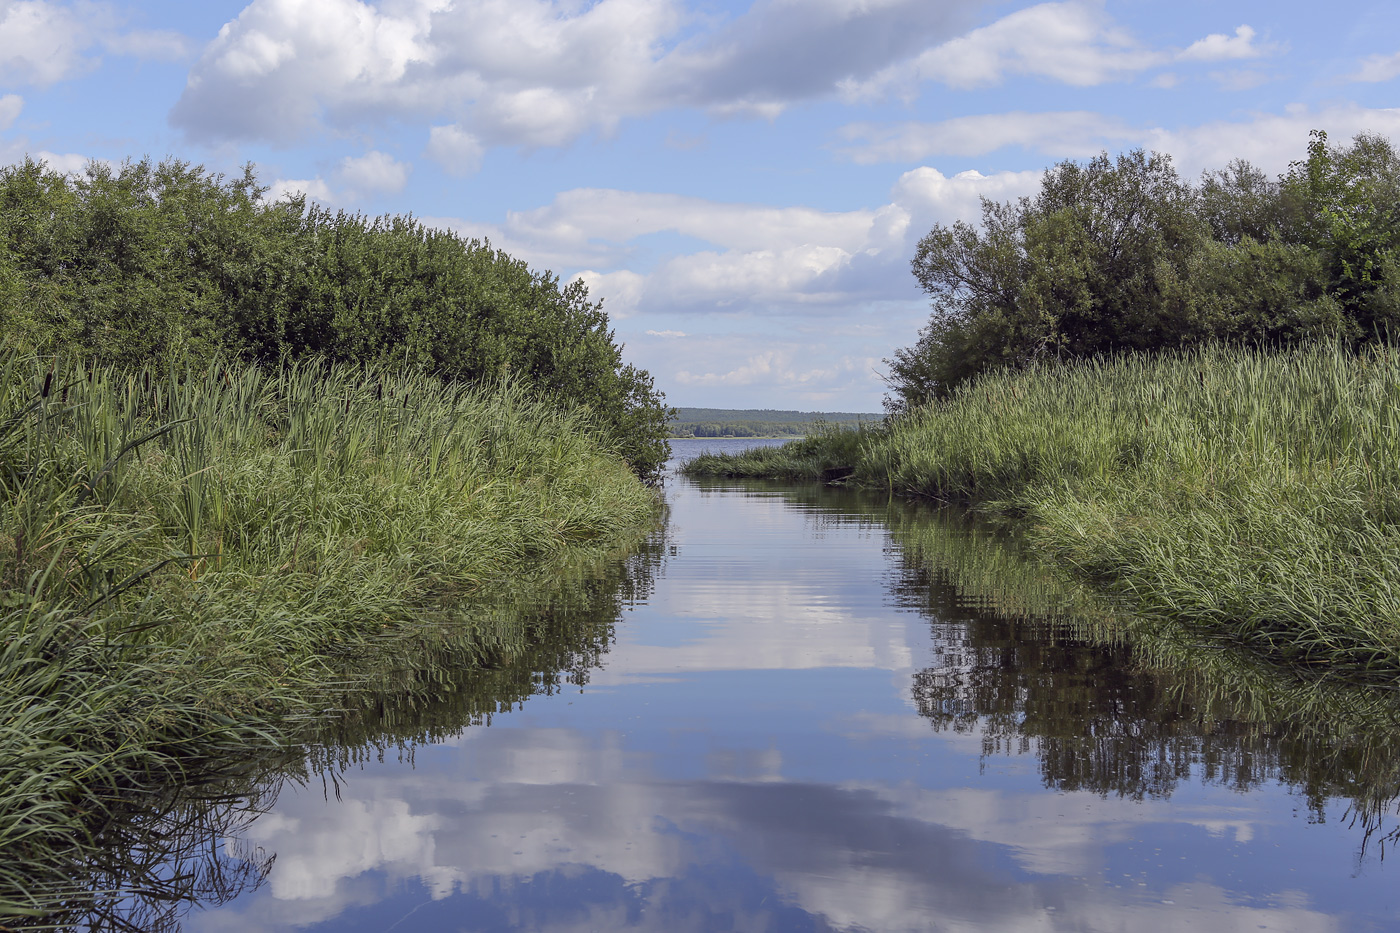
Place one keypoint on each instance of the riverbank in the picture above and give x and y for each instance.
(1256, 494)
(194, 559)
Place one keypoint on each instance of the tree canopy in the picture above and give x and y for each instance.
(1116, 255)
(161, 261)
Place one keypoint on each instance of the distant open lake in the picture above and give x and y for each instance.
(803, 708)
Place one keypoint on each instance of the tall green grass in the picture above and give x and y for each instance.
(1256, 493)
(190, 561)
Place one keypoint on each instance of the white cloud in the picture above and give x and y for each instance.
(1218, 47)
(763, 258)
(533, 72)
(1378, 68)
(777, 369)
(458, 152)
(1073, 42)
(43, 42)
(314, 188)
(373, 173)
(526, 805)
(10, 107)
(1056, 133)
(1271, 141)
(619, 291)
(668, 334)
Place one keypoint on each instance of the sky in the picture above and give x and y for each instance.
(741, 184)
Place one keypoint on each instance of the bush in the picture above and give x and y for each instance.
(1122, 255)
(151, 262)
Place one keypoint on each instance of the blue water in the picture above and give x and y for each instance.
(751, 755)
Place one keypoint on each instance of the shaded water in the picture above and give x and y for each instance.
(807, 709)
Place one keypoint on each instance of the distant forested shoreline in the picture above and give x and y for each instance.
(757, 422)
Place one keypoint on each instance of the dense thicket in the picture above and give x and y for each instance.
(1121, 254)
(167, 261)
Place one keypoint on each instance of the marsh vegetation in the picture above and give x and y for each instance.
(1185, 394)
(193, 557)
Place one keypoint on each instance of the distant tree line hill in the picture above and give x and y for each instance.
(750, 422)
(169, 264)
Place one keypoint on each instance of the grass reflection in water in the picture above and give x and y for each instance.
(1025, 661)
(171, 848)
(1117, 705)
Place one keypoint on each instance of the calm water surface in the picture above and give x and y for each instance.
(825, 712)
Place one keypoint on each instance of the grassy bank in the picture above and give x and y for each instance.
(191, 561)
(829, 452)
(1254, 493)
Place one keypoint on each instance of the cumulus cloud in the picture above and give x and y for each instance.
(533, 72)
(458, 152)
(314, 188)
(43, 42)
(1075, 43)
(1271, 141)
(10, 107)
(1218, 47)
(373, 173)
(1056, 133)
(761, 257)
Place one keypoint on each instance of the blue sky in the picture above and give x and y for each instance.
(741, 183)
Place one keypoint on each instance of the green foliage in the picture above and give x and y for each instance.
(828, 452)
(1255, 494)
(1121, 255)
(190, 554)
(770, 416)
(738, 428)
(152, 262)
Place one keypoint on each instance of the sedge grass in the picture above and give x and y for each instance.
(189, 560)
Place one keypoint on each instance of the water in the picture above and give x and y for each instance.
(821, 711)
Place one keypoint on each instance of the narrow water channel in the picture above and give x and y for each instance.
(814, 710)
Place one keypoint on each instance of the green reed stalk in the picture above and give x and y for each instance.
(186, 558)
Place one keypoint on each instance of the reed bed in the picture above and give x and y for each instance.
(1255, 493)
(828, 452)
(191, 559)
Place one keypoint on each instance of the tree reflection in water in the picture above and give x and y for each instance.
(1126, 706)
